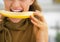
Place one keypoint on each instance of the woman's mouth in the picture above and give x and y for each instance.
(16, 10)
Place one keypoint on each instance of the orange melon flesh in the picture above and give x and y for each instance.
(22, 15)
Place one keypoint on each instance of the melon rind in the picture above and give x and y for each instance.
(16, 14)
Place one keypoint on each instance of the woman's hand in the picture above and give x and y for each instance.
(42, 32)
(1, 17)
(40, 23)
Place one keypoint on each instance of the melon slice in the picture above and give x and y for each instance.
(22, 15)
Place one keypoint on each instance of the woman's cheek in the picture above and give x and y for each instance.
(26, 7)
(7, 6)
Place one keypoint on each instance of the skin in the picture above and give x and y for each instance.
(42, 33)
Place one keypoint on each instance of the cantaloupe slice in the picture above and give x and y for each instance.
(22, 15)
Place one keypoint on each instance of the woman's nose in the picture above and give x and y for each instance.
(16, 5)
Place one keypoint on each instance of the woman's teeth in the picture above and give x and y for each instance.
(16, 10)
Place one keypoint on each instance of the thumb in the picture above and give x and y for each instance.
(1, 17)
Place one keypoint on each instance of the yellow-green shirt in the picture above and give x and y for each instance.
(17, 32)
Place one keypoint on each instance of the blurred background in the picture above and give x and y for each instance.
(51, 11)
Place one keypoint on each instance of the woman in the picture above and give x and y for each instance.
(33, 29)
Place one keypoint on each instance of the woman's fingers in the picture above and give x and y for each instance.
(40, 22)
(40, 25)
(34, 19)
(34, 22)
(39, 15)
(1, 17)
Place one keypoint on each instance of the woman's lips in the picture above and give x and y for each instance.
(16, 10)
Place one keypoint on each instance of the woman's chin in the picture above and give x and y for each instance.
(14, 20)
